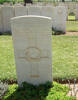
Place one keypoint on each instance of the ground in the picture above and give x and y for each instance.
(73, 90)
(48, 91)
(71, 33)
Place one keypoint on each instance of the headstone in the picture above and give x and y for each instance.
(59, 23)
(61, 4)
(29, 4)
(21, 10)
(47, 11)
(7, 14)
(17, 4)
(39, 3)
(32, 45)
(72, 8)
(1, 21)
(66, 7)
(6, 4)
(34, 10)
(76, 14)
(66, 12)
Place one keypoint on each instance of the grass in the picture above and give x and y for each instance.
(47, 91)
(71, 17)
(65, 58)
(72, 24)
(7, 64)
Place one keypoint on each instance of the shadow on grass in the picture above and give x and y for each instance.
(28, 92)
(6, 33)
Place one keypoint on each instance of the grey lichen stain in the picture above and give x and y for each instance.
(33, 54)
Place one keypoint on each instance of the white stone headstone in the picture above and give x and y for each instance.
(47, 11)
(33, 49)
(59, 23)
(66, 12)
(66, 7)
(7, 14)
(1, 20)
(21, 11)
(18, 4)
(72, 8)
(6, 4)
(34, 10)
(76, 14)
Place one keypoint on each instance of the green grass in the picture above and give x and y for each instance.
(71, 17)
(47, 91)
(65, 58)
(7, 64)
(72, 24)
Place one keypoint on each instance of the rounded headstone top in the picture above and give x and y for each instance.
(31, 16)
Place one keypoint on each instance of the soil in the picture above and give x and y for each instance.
(73, 90)
(71, 33)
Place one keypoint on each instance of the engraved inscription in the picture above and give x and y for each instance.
(33, 54)
(60, 11)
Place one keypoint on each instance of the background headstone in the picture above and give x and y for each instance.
(18, 4)
(59, 23)
(46, 11)
(34, 10)
(7, 14)
(1, 21)
(21, 10)
(33, 49)
(76, 14)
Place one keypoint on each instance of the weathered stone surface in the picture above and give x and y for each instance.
(1, 21)
(18, 4)
(33, 49)
(34, 10)
(21, 11)
(47, 11)
(7, 14)
(76, 14)
(59, 23)
(66, 7)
